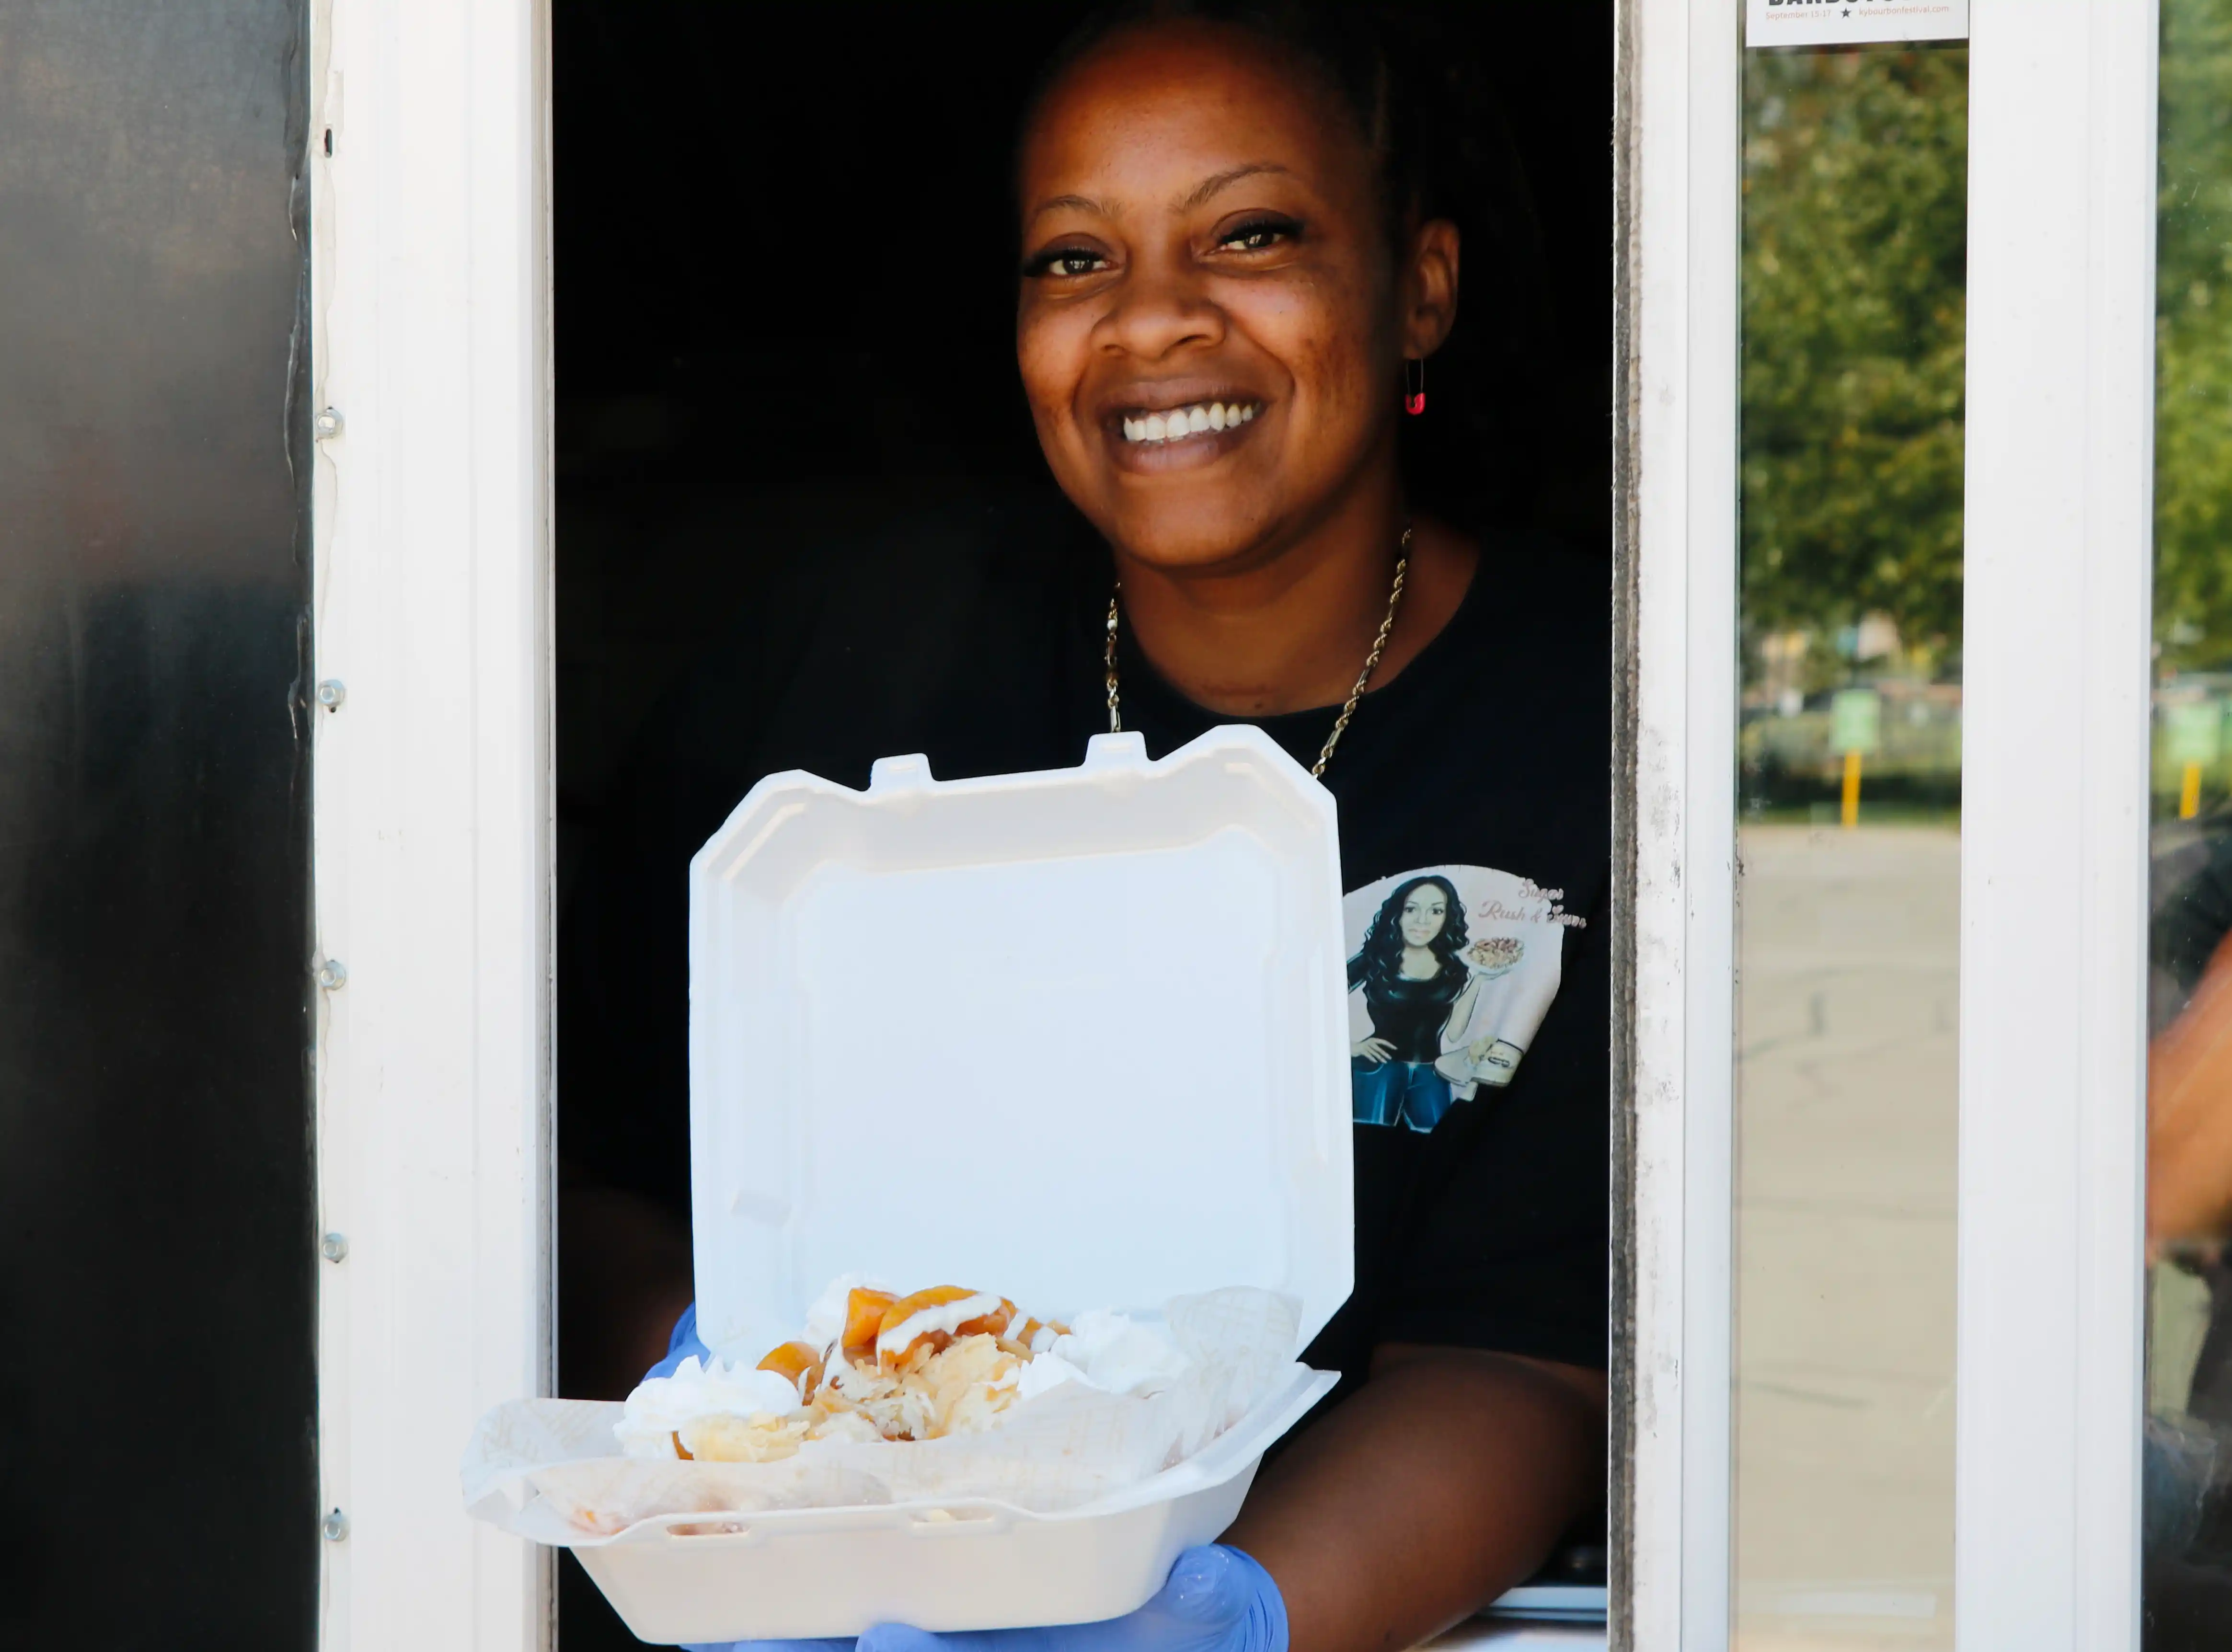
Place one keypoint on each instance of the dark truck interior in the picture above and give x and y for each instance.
(783, 242)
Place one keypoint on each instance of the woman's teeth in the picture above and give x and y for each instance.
(1188, 421)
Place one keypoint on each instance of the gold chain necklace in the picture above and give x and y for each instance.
(1363, 677)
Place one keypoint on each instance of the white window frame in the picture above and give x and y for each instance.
(1681, 120)
(2060, 566)
(2059, 509)
(431, 820)
(432, 813)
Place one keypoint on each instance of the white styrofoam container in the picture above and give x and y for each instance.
(966, 1564)
(1079, 1037)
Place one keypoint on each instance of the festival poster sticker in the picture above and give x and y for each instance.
(1853, 22)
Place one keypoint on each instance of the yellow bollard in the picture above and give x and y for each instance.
(1851, 788)
(2188, 793)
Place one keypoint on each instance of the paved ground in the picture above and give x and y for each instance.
(1846, 1138)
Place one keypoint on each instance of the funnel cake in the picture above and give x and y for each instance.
(865, 1308)
(799, 1362)
(937, 1363)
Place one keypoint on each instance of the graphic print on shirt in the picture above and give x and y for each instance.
(1450, 970)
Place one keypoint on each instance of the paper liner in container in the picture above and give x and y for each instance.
(947, 1564)
(1059, 1451)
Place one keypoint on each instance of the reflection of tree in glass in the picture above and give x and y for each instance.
(1854, 267)
(2193, 340)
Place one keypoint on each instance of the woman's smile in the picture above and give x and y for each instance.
(1181, 422)
(1150, 440)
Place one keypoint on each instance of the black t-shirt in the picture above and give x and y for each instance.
(1475, 810)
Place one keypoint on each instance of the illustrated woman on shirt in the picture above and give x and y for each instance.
(1416, 988)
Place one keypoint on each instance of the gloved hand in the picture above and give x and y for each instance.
(681, 1344)
(1217, 1600)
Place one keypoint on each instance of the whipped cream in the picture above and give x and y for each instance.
(944, 1319)
(1047, 1370)
(1105, 1350)
(824, 1321)
(662, 1406)
(1119, 1354)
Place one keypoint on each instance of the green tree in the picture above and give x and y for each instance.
(1855, 244)
(2193, 339)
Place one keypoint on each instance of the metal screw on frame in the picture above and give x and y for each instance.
(333, 1247)
(332, 973)
(327, 423)
(334, 1526)
(331, 693)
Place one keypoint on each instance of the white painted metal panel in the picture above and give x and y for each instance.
(432, 807)
(2054, 863)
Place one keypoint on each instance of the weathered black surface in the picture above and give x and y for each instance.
(157, 1383)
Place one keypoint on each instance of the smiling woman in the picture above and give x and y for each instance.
(1243, 243)
(1237, 241)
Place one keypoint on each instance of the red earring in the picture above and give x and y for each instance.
(1414, 386)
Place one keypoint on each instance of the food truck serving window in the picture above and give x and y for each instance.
(1742, 863)
(813, 517)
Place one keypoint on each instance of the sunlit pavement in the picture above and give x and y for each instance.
(1848, 1004)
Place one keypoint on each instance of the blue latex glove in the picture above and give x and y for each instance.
(1217, 1600)
(681, 1345)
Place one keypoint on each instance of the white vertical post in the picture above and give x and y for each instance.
(2053, 847)
(1685, 157)
(432, 804)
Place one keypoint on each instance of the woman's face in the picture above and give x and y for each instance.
(1210, 328)
(1424, 910)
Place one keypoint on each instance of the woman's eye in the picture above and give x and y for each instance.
(1260, 236)
(1067, 261)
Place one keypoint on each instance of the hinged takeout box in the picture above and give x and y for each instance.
(1078, 1037)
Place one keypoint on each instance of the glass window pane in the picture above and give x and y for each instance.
(2188, 1536)
(1849, 794)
